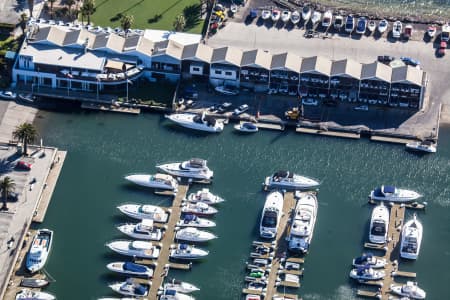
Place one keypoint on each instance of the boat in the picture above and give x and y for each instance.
(327, 19)
(361, 25)
(411, 239)
(295, 17)
(247, 127)
(315, 18)
(8, 95)
(157, 181)
(397, 29)
(285, 16)
(227, 90)
(141, 212)
(366, 273)
(170, 294)
(289, 180)
(195, 168)
(192, 234)
(379, 224)
(27, 97)
(349, 24)
(393, 194)
(431, 31)
(271, 215)
(185, 251)
(142, 231)
(426, 146)
(131, 288)
(383, 25)
(27, 294)
(276, 14)
(372, 25)
(205, 196)
(410, 289)
(408, 31)
(369, 260)
(303, 222)
(34, 282)
(338, 22)
(252, 297)
(190, 220)
(200, 122)
(233, 8)
(445, 34)
(135, 248)
(265, 14)
(130, 268)
(180, 286)
(39, 251)
(306, 13)
(199, 209)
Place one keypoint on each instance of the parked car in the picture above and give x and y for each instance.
(410, 61)
(21, 165)
(224, 107)
(310, 102)
(361, 108)
(241, 109)
(7, 95)
(385, 59)
(442, 47)
(214, 108)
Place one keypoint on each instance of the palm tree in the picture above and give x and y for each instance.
(7, 186)
(180, 23)
(88, 9)
(23, 21)
(69, 4)
(126, 22)
(51, 7)
(26, 133)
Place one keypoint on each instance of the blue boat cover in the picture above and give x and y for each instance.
(362, 259)
(170, 292)
(389, 189)
(129, 266)
(189, 217)
(140, 290)
(183, 246)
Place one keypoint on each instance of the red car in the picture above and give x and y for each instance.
(442, 48)
(21, 165)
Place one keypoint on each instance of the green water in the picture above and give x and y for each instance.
(103, 147)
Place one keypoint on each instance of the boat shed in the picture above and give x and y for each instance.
(225, 65)
(166, 62)
(255, 69)
(344, 79)
(285, 70)
(196, 59)
(406, 86)
(315, 77)
(375, 83)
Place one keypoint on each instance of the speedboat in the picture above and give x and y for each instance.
(361, 25)
(246, 127)
(393, 194)
(131, 288)
(227, 90)
(303, 222)
(276, 14)
(194, 168)
(431, 31)
(170, 294)
(379, 224)
(199, 209)
(192, 234)
(39, 251)
(205, 196)
(383, 26)
(27, 294)
(367, 273)
(8, 95)
(338, 22)
(295, 17)
(425, 146)
(315, 18)
(411, 239)
(141, 212)
(289, 180)
(34, 282)
(130, 268)
(369, 260)
(185, 251)
(410, 289)
(157, 181)
(200, 122)
(397, 29)
(306, 13)
(265, 14)
(180, 286)
(327, 19)
(142, 231)
(349, 24)
(372, 25)
(135, 248)
(271, 215)
(190, 220)
(285, 16)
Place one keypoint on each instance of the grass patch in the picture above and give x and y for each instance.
(157, 94)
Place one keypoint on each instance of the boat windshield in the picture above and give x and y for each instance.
(378, 228)
(269, 219)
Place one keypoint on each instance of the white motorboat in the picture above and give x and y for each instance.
(285, 16)
(431, 31)
(411, 239)
(361, 25)
(8, 95)
(130, 268)
(190, 220)
(338, 22)
(157, 181)
(247, 127)
(205, 196)
(425, 146)
(192, 234)
(306, 13)
(141, 212)
(265, 14)
(174, 295)
(276, 14)
(271, 215)
(295, 17)
(27, 294)
(233, 8)
(379, 224)
(227, 90)
(180, 286)
(445, 34)
(200, 122)
(349, 24)
(410, 289)
(367, 273)
(303, 222)
(369, 260)
(327, 19)
(142, 231)
(194, 168)
(289, 180)
(393, 194)
(397, 29)
(372, 25)
(189, 252)
(315, 18)
(39, 251)
(135, 248)
(199, 209)
(383, 26)
(130, 288)
(34, 282)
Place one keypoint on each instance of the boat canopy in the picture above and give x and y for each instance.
(141, 245)
(249, 125)
(170, 292)
(283, 174)
(183, 246)
(140, 290)
(388, 189)
(362, 259)
(197, 162)
(147, 223)
(189, 217)
(129, 266)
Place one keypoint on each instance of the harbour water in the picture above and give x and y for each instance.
(103, 147)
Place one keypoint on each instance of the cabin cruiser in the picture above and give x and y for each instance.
(200, 122)
(379, 224)
(205, 196)
(247, 127)
(265, 14)
(338, 22)
(315, 18)
(285, 16)
(135, 248)
(366, 273)
(39, 251)
(144, 230)
(397, 29)
(393, 194)
(190, 220)
(130, 268)
(199, 209)
(158, 181)
(327, 19)
(271, 215)
(180, 286)
(194, 168)
(303, 222)
(306, 13)
(34, 282)
(361, 25)
(27, 294)
(425, 146)
(383, 26)
(289, 180)
(410, 289)
(192, 234)
(349, 24)
(185, 251)
(295, 17)
(369, 260)
(150, 212)
(411, 239)
(130, 288)
(276, 14)
(170, 294)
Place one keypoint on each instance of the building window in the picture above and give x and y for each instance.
(228, 73)
(218, 72)
(196, 69)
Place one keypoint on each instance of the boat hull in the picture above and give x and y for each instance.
(189, 123)
(155, 213)
(41, 246)
(305, 217)
(145, 180)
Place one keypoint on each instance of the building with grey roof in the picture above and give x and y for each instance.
(406, 87)
(315, 77)
(284, 74)
(255, 69)
(375, 83)
(344, 79)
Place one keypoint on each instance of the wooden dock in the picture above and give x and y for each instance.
(391, 139)
(271, 126)
(110, 108)
(341, 134)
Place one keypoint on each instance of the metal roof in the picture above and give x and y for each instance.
(376, 70)
(257, 59)
(316, 64)
(407, 74)
(346, 67)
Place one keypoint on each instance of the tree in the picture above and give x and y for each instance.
(30, 7)
(180, 23)
(23, 21)
(88, 9)
(126, 22)
(51, 7)
(7, 186)
(69, 4)
(26, 133)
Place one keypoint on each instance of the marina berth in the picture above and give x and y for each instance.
(144, 230)
(303, 222)
(392, 194)
(180, 286)
(157, 181)
(130, 268)
(139, 249)
(199, 209)
(170, 294)
(150, 212)
(39, 251)
(411, 239)
(192, 234)
(289, 180)
(271, 215)
(27, 294)
(410, 289)
(131, 288)
(367, 273)
(191, 220)
(195, 168)
(379, 224)
(205, 196)
(188, 252)
(200, 122)
(369, 260)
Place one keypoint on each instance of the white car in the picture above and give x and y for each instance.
(7, 95)
(310, 102)
(240, 109)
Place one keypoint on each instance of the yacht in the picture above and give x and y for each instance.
(303, 222)
(425, 146)
(145, 230)
(265, 14)
(383, 26)
(135, 248)
(174, 295)
(130, 268)
(338, 22)
(379, 224)
(361, 25)
(367, 273)
(181, 286)
(200, 122)
(205, 196)
(327, 19)
(397, 29)
(195, 168)
(411, 239)
(410, 289)
(393, 194)
(247, 127)
(131, 288)
(185, 251)
(289, 180)
(306, 14)
(190, 220)
(271, 215)
(369, 260)
(27, 294)
(315, 18)
(150, 212)
(349, 24)
(295, 17)
(199, 209)
(276, 14)
(285, 16)
(39, 251)
(192, 234)
(157, 181)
